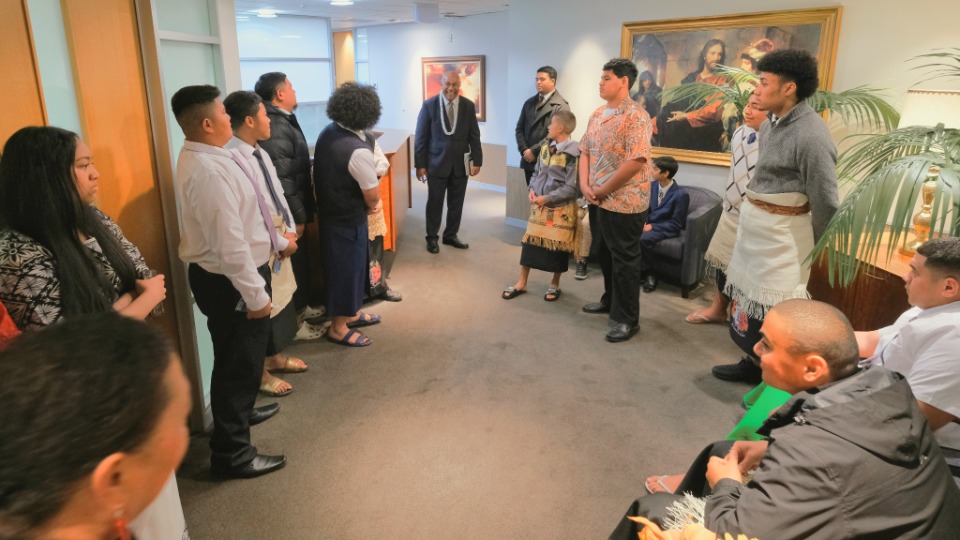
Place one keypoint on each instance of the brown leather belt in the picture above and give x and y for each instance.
(778, 210)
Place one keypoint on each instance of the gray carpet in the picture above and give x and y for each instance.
(475, 417)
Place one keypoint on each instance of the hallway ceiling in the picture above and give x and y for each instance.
(369, 12)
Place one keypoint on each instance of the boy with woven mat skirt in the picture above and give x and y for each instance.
(554, 228)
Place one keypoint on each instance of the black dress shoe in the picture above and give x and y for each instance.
(261, 414)
(432, 246)
(391, 295)
(258, 466)
(622, 332)
(596, 307)
(651, 283)
(455, 242)
(743, 371)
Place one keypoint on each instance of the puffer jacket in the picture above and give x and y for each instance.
(852, 459)
(291, 156)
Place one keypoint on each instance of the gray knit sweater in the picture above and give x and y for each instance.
(798, 155)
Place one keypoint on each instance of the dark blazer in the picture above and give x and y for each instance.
(532, 126)
(291, 156)
(442, 154)
(668, 218)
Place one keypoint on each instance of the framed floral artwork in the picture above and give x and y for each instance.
(472, 70)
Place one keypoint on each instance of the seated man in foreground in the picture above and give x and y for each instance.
(849, 455)
(922, 344)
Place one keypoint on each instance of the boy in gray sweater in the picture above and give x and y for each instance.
(790, 200)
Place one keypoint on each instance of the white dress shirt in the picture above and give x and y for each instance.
(246, 152)
(922, 346)
(221, 228)
(362, 166)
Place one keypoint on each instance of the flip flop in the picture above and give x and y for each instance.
(365, 319)
(660, 482)
(512, 292)
(361, 341)
(292, 365)
(697, 318)
(270, 387)
(552, 295)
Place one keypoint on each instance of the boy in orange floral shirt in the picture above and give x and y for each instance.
(615, 175)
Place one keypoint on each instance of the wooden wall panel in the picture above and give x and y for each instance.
(21, 78)
(108, 75)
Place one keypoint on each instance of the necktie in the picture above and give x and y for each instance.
(450, 113)
(261, 202)
(660, 197)
(540, 100)
(273, 192)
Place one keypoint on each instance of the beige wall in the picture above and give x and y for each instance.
(344, 60)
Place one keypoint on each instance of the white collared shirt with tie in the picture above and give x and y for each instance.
(221, 228)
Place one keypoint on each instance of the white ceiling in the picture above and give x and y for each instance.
(370, 12)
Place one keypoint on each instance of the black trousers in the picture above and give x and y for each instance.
(654, 506)
(529, 174)
(239, 346)
(620, 259)
(454, 189)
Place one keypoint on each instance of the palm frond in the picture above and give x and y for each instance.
(871, 152)
(892, 168)
(698, 94)
(950, 68)
(857, 229)
(861, 105)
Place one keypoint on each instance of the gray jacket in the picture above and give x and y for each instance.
(852, 459)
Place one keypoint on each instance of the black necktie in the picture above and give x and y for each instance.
(273, 192)
(540, 100)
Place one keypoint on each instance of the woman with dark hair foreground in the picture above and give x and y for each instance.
(81, 464)
(348, 190)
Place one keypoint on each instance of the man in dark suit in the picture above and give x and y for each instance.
(447, 136)
(535, 117)
(668, 214)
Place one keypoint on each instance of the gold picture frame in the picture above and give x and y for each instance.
(672, 52)
(472, 70)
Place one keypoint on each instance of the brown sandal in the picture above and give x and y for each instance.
(292, 365)
(271, 387)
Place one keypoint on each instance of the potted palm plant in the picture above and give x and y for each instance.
(888, 171)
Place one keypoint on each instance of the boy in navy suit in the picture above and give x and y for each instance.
(668, 214)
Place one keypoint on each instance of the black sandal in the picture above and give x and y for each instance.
(512, 292)
(552, 295)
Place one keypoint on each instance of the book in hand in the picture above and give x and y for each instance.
(467, 163)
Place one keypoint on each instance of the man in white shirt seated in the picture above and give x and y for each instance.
(924, 343)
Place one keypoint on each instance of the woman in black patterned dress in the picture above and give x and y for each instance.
(60, 255)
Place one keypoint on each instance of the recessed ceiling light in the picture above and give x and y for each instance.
(341, 3)
(266, 13)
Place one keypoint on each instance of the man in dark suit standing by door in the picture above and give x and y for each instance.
(447, 131)
(535, 117)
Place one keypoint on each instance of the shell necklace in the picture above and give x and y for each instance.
(443, 118)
